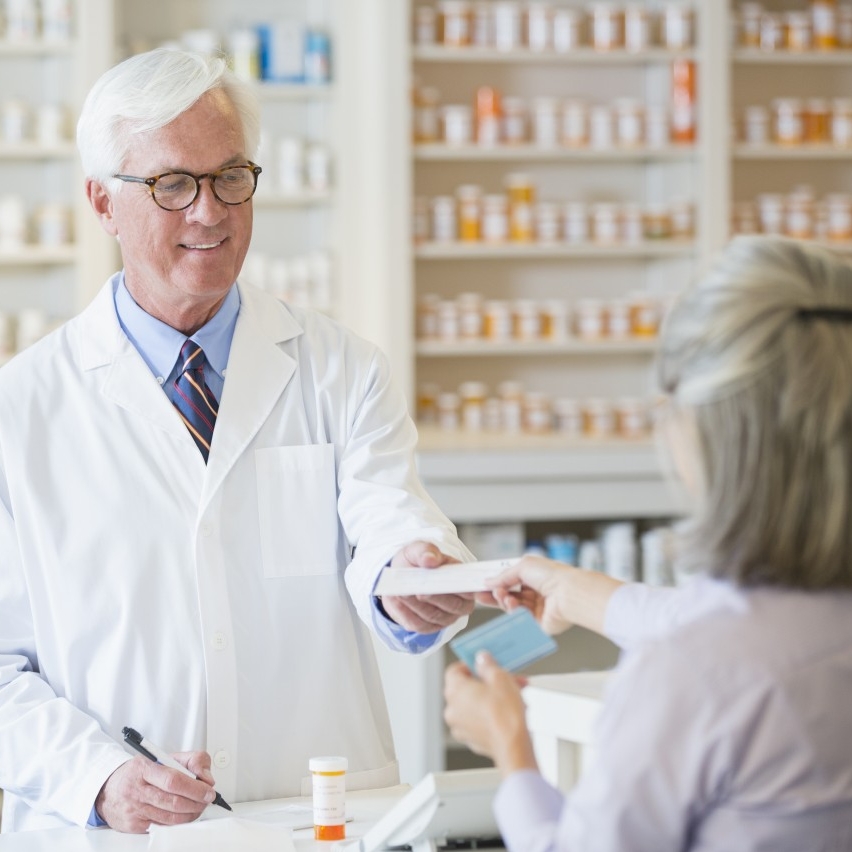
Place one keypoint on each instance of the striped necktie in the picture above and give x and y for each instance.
(193, 399)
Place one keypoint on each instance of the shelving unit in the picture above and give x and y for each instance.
(758, 77)
(558, 269)
(486, 477)
(34, 275)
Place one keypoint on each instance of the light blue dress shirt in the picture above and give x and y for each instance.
(159, 344)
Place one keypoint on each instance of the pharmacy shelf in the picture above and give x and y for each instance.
(840, 246)
(443, 153)
(588, 251)
(37, 47)
(791, 152)
(268, 91)
(579, 56)
(38, 256)
(34, 151)
(512, 348)
(306, 198)
(755, 56)
(435, 439)
(480, 477)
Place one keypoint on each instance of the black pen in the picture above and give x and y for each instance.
(146, 748)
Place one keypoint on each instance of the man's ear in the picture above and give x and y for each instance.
(101, 203)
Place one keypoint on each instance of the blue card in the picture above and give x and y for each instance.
(514, 639)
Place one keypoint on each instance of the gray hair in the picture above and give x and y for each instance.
(766, 379)
(145, 93)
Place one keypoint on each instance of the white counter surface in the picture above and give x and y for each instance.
(366, 806)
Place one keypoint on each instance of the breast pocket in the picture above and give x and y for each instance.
(297, 500)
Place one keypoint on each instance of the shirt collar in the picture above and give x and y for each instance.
(159, 344)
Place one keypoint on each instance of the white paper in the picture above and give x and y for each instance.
(447, 579)
(228, 834)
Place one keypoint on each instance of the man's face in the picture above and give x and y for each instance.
(180, 264)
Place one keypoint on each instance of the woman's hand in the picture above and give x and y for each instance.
(487, 714)
(558, 595)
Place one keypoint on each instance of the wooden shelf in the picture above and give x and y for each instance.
(579, 56)
(570, 346)
(440, 152)
(433, 439)
(792, 152)
(38, 256)
(478, 477)
(589, 251)
(756, 56)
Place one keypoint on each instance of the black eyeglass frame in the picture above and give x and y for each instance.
(151, 182)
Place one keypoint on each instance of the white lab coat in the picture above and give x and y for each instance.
(210, 607)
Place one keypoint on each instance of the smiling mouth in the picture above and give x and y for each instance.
(202, 246)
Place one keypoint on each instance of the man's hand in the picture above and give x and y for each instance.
(425, 613)
(141, 792)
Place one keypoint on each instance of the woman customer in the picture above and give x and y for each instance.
(726, 724)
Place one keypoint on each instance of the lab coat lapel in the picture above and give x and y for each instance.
(257, 373)
(127, 380)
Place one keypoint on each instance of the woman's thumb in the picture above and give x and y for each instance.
(486, 665)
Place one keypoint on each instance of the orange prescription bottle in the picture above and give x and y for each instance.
(328, 778)
(683, 101)
(521, 192)
(488, 116)
(824, 17)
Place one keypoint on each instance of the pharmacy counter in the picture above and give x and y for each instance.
(366, 806)
(561, 715)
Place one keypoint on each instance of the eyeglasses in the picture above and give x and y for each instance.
(177, 190)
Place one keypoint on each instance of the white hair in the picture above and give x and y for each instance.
(758, 356)
(145, 93)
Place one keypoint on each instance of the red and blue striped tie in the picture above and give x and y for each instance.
(193, 399)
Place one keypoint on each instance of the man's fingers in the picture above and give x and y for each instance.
(170, 785)
(421, 554)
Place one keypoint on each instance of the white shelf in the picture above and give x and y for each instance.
(432, 439)
(306, 198)
(792, 152)
(756, 56)
(441, 152)
(269, 91)
(37, 47)
(31, 150)
(588, 251)
(484, 477)
(38, 256)
(570, 346)
(580, 56)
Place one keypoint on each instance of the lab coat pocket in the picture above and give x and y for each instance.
(297, 508)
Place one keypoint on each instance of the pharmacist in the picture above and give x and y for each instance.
(199, 487)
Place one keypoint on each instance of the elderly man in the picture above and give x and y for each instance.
(199, 487)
